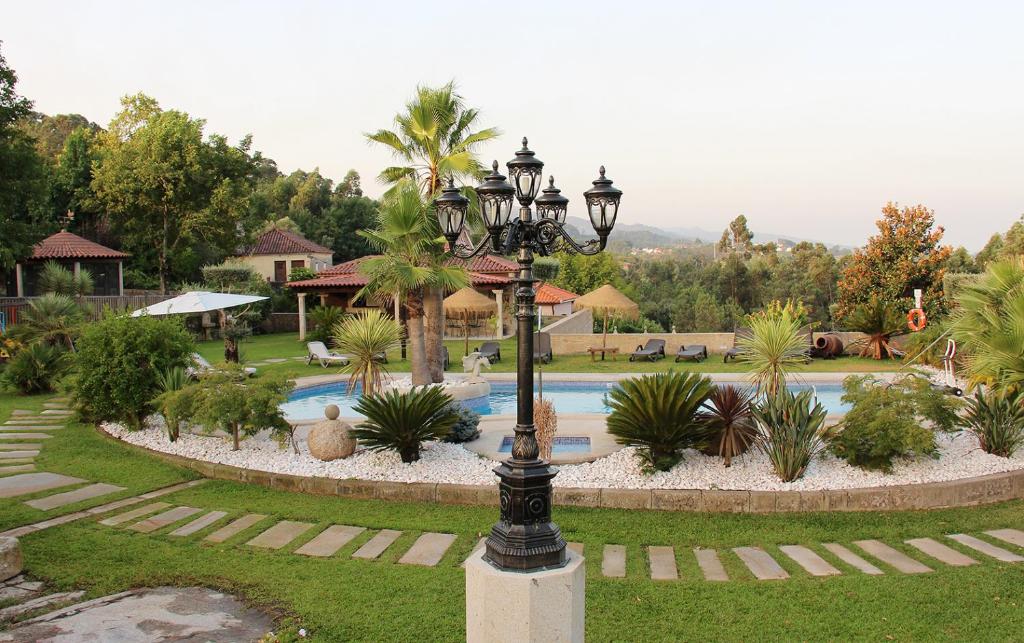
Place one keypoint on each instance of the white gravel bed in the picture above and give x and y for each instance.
(451, 463)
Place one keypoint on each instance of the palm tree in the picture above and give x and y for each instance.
(408, 244)
(773, 349)
(52, 318)
(364, 337)
(880, 321)
(434, 138)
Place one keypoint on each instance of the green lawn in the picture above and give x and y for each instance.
(345, 599)
(261, 347)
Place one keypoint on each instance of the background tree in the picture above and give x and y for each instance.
(71, 186)
(581, 273)
(904, 255)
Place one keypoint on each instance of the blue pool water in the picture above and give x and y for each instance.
(568, 397)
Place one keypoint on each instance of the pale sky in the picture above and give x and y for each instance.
(804, 116)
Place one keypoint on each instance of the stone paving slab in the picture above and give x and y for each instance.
(17, 455)
(946, 554)
(276, 360)
(428, 550)
(111, 506)
(17, 468)
(852, 559)
(27, 483)
(7, 429)
(56, 412)
(163, 519)
(21, 412)
(20, 446)
(156, 493)
(134, 513)
(234, 527)
(37, 419)
(14, 461)
(986, 548)
(760, 563)
(1012, 536)
(280, 534)
(24, 436)
(78, 495)
(663, 563)
(814, 564)
(15, 611)
(613, 561)
(891, 557)
(199, 523)
(330, 540)
(710, 565)
(576, 547)
(376, 545)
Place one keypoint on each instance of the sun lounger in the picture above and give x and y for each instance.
(653, 350)
(695, 353)
(542, 348)
(735, 351)
(202, 366)
(490, 350)
(318, 351)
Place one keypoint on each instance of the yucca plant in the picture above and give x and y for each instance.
(363, 337)
(997, 421)
(175, 406)
(880, 321)
(791, 431)
(729, 417)
(774, 347)
(659, 414)
(402, 422)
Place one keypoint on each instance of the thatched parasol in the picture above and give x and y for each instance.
(606, 301)
(469, 305)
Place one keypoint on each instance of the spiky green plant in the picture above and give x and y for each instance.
(659, 414)
(791, 431)
(55, 278)
(175, 406)
(52, 319)
(363, 337)
(989, 323)
(323, 320)
(402, 422)
(729, 417)
(880, 321)
(997, 421)
(774, 347)
(36, 368)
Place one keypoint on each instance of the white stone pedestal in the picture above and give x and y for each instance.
(524, 608)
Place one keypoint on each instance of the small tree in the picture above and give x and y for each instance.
(228, 400)
(364, 338)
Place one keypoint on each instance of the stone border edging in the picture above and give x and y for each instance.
(996, 487)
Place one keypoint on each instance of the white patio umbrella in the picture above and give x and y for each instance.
(197, 302)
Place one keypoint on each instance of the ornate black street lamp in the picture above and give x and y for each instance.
(525, 539)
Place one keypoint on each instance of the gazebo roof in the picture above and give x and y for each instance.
(67, 245)
(468, 301)
(607, 299)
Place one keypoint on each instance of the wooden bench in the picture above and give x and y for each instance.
(612, 350)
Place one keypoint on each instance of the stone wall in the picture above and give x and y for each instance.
(570, 340)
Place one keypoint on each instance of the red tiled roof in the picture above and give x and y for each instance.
(65, 245)
(492, 263)
(283, 242)
(484, 279)
(548, 295)
(347, 268)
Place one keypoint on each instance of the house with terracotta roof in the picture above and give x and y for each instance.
(338, 286)
(553, 301)
(76, 254)
(277, 252)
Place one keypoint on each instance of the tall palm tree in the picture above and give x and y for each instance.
(408, 244)
(434, 139)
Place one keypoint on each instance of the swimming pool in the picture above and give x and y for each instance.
(568, 397)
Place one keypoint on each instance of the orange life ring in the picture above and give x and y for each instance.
(916, 320)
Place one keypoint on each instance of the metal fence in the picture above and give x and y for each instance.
(11, 307)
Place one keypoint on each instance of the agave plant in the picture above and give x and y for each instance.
(791, 431)
(659, 414)
(881, 321)
(997, 421)
(773, 348)
(402, 422)
(363, 338)
(52, 319)
(989, 322)
(729, 417)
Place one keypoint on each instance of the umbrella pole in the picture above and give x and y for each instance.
(467, 334)
(604, 338)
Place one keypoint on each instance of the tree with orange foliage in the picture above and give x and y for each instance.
(905, 255)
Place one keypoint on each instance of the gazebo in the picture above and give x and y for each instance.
(468, 305)
(76, 254)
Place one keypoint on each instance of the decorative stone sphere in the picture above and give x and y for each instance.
(329, 440)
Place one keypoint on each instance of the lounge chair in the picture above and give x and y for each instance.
(542, 348)
(319, 352)
(694, 352)
(490, 350)
(381, 357)
(653, 350)
(202, 366)
(734, 352)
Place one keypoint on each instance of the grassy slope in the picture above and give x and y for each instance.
(262, 347)
(346, 599)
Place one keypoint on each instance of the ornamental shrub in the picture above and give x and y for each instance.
(228, 400)
(36, 369)
(402, 422)
(467, 425)
(997, 421)
(887, 421)
(119, 362)
(791, 431)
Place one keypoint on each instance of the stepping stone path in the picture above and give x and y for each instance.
(27, 483)
(234, 527)
(280, 534)
(18, 455)
(761, 564)
(376, 545)
(70, 497)
(24, 436)
(19, 446)
(810, 561)
(428, 550)
(891, 557)
(710, 565)
(14, 611)
(1012, 536)
(663, 563)
(17, 468)
(134, 513)
(330, 540)
(199, 523)
(945, 554)
(163, 519)
(988, 549)
(852, 559)
(613, 562)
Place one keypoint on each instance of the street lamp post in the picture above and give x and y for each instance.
(525, 538)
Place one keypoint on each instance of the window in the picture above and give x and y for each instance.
(298, 263)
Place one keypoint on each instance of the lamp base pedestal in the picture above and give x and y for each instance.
(524, 607)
